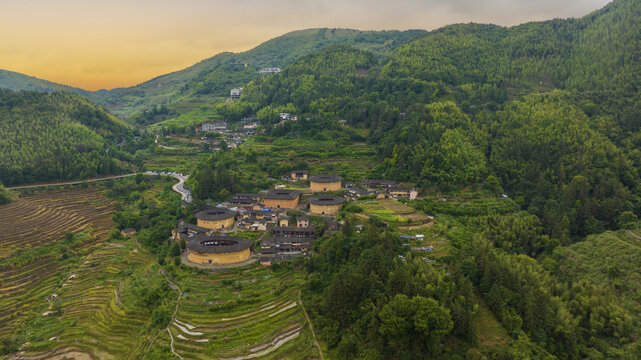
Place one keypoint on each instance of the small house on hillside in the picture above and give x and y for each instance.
(273, 70)
(214, 126)
(299, 174)
(128, 232)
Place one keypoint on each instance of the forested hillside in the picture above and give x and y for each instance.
(446, 111)
(217, 75)
(523, 143)
(56, 136)
(546, 113)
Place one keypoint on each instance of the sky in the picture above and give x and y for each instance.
(102, 44)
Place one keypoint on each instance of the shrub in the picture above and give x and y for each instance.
(5, 195)
(175, 250)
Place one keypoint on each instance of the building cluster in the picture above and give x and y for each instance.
(233, 137)
(287, 236)
(288, 116)
(205, 246)
(219, 127)
(382, 189)
(283, 214)
(273, 70)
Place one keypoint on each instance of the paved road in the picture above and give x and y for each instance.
(71, 182)
(178, 187)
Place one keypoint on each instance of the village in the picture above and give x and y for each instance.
(287, 220)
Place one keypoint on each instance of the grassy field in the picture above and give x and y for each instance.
(394, 212)
(182, 160)
(490, 332)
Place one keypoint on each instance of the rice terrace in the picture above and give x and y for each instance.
(66, 285)
(465, 187)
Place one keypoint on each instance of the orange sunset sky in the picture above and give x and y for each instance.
(106, 44)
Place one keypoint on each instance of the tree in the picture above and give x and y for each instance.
(493, 184)
(175, 250)
(417, 324)
(5, 195)
(456, 161)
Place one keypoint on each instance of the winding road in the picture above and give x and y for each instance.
(77, 182)
(179, 187)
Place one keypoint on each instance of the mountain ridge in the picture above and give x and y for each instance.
(276, 52)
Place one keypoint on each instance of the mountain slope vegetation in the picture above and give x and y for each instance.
(15, 81)
(547, 113)
(56, 136)
(446, 111)
(523, 142)
(217, 75)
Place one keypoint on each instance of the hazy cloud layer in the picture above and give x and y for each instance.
(104, 44)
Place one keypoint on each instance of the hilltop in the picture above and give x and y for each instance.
(15, 81)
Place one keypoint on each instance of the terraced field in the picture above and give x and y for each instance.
(43, 218)
(245, 314)
(66, 297)
(87, 315)
(350, 160)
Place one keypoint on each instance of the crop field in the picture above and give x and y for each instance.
(36, 219)
(72, 306)
(351, 160)
(179, 160)
(393, 212)
(35, 223)
(86, 316)
(250, 312)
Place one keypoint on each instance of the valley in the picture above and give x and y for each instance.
(470, 192)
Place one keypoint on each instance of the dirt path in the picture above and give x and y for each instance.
(71, 182)
(633, 234)
(300, 301)
(417, 227)
(173, 316)
(163, 146)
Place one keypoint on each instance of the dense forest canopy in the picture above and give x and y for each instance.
(56, 136)
(216, 76)
(547, 113)
(469, 102)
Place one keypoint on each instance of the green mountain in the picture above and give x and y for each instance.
(57, 136)
(217, 75)
(545, 112)
(446, 110)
